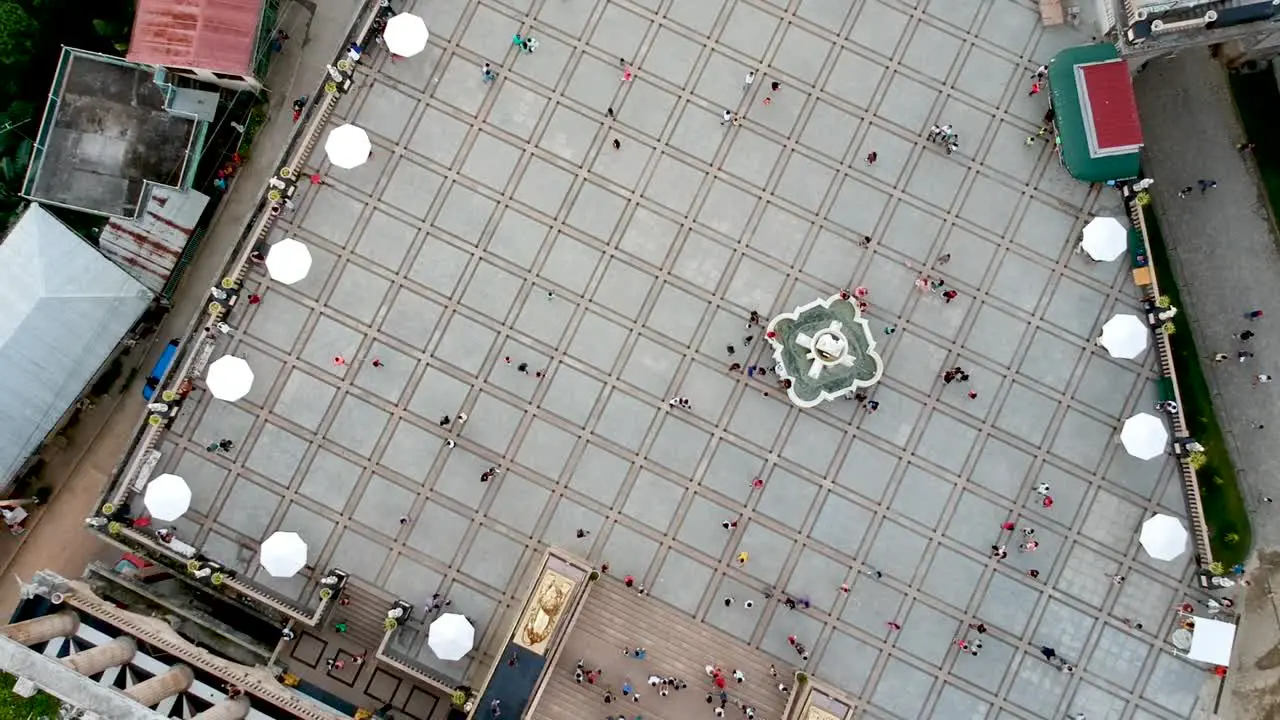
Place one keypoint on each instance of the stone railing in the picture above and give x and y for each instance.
(1168, 387)
(148, 546)
(202, 332)
(157, 634)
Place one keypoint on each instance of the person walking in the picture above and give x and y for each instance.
(746, 81)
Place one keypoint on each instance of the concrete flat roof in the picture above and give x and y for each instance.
(105, 135)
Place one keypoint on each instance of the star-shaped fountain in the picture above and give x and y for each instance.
(825, 350)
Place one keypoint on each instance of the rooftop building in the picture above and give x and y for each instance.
(112, 129)
(217, 41)
(1245, 29)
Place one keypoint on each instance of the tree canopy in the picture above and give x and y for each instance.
(32, 33)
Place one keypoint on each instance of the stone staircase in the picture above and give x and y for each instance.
(364, 616)
(614, 617)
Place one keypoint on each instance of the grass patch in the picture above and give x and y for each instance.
(1257, 99)
(1230, 534)
(16, 707)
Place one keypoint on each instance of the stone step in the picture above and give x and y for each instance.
(676, 644)
(364, 615)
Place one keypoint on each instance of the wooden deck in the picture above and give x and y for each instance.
(614, 617)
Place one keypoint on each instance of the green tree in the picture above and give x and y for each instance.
(18, 34)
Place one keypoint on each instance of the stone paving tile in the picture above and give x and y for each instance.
(438, 255)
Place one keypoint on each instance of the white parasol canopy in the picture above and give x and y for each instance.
(348, 146)
(1211, 641)
(283, 554)
(451, 636)
(1144, 436)
(167, 497)
(229, 378)
(1125, 336)
(1163, 537)
(406, 35)
(288, 261)
(1105, 239)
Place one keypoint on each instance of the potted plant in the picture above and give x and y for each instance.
(193, 566)
(331, 87)
(114, 528)
(594, 576)
(274, 195)
(1163, 301)
(168, 396)
(108, 508)
(1196, 460)
(326, 593)
(458, 699)
(217, 578)
(345, 65)
(390, 624)
(286, 172)
(228, 283)
(215, 307)
(1217, 568)
(154, 420)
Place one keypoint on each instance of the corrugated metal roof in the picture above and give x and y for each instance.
(148, 248)
(215, 35)
(66, 308)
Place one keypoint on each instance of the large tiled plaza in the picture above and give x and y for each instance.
(437, 256)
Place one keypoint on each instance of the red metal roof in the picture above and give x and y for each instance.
(215, 35)
(1112, 109)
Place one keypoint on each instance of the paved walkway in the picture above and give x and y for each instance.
(81, 471)
(1227, 263)
(435, 257)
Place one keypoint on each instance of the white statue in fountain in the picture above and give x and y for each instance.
(827, 348)
(824, 350)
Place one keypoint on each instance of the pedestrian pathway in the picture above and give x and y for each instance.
(497, 219)
(1227, 264)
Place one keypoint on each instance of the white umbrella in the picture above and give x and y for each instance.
(288, 261)
(347, 146)
(406, 35)
(1105, 239)
(229, 378)
(1144, 436)
(283, 554)
(1163, 537)
(167, 497)
(451, 636)
(1125, 336)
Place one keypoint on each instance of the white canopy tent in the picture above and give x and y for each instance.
(283, 554)
(348, 146)
(1211, 641)
(1125, 336)
(451, 636)
(288, 261)
(229, 378)
(1105, 239)
(1144, 436)
(405, 35)
(1163, 537)
(167, 497)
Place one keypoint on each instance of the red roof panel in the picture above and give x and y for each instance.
(1111, 104)
(215, 35)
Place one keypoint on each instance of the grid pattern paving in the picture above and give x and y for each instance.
(437, 256)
